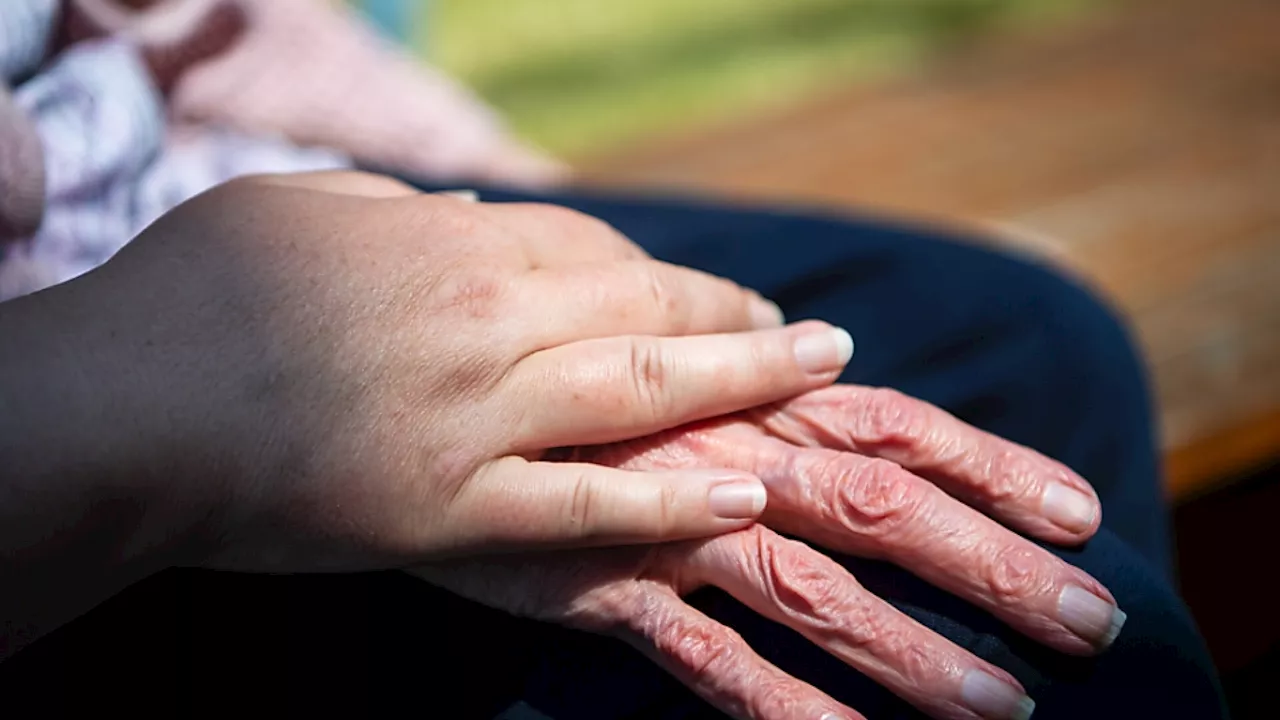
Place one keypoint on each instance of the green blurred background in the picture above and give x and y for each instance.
(581, 77)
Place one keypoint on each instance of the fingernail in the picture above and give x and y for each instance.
(1068, 508)
(738, 500)
(823, 350)
(991, 697)
(765, 314)
(465, 195)
(1089, 616)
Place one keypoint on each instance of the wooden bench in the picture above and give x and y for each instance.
(1140, 148)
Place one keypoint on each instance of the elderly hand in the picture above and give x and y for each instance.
(864, 471)
(336, 372)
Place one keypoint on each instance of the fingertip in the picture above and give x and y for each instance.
(844, 345)
(821, 349)
(1070, 509)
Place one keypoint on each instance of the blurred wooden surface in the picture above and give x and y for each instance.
(1139, 147)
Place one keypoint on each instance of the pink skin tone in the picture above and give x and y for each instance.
(846, 468)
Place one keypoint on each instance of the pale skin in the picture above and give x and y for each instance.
(334, 372)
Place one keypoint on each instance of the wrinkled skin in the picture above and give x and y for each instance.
(846, 469)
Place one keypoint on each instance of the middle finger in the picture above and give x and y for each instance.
(1015, 484)
(875, 508)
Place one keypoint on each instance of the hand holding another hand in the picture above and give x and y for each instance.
(337, 372)
(862, 471)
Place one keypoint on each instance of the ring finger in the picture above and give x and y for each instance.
(790, 583)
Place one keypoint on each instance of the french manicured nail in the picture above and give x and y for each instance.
(1069, 508)
(1089, 616)
(991, 697)
(823, 350)
(738, 500)
(766, 314)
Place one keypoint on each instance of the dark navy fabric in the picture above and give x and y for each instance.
(1002, 343)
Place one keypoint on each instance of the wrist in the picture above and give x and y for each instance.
(82, 512)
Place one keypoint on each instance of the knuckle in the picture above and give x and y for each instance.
(774, 697)
(816, 595)
(650, 377)
(890, 418)
(919, 662)
(876, 498)
(1010, 476)
(472, 294)
(802, 588)
(702, 651)
(660, 290)
(875, 633)
(1015, 574)
(699, 649)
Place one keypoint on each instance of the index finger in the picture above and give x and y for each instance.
(1010, 482)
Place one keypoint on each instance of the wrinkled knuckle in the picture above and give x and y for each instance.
(877, 498)
(887, 639)
(1010, 476)
(774, 697)
(871, 630)
(701, 650)
(893, 419)
(919, 663)
(1014, 574)
(803, 589)
(703, 653)
(650, 376)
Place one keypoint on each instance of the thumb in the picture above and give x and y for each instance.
(515, 504)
